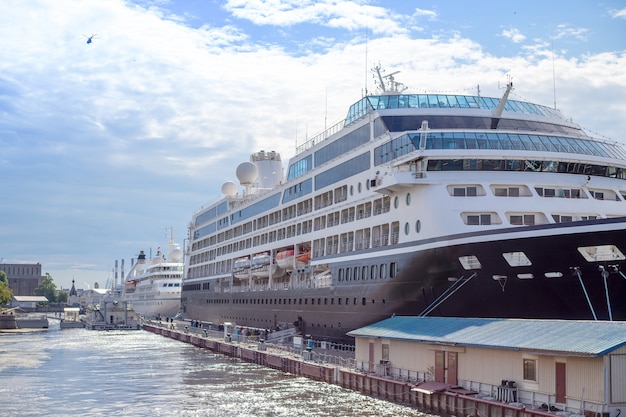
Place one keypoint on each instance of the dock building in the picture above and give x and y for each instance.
(562, 366)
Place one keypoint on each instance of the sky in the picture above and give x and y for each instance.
(105, 146)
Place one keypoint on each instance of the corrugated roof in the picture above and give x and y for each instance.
(30, 298)
(568, 337)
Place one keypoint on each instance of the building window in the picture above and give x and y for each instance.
(385, 352)
(530, 370)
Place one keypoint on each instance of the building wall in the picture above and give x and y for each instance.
(615, 362)
(585, 379)
(23, 278)
(585, 376)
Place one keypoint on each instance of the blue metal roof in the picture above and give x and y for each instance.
(567, 337)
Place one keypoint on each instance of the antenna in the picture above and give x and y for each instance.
(366, 68)
(326, 109)
(553, 76)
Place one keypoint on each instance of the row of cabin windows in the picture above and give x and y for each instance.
(376, 236)
(523, 191)
(350, 214)
(519, 219)
(302, 208)
(297, 301)
(368, 272)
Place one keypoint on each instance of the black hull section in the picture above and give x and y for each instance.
(426, 275)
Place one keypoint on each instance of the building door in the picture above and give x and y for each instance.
(371, 358)
(560, 382)
(440, 366)
(453, 376)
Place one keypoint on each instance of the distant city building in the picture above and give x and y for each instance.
(28, 301)
(23, 278)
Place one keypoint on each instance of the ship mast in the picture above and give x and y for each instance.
(386, 83)
(497, 113)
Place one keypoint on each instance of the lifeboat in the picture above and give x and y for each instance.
(129, 286)
(304, 258)
(241, 268)
(285, 258)
(263, 265)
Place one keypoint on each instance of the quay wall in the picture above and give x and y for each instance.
(392, 390)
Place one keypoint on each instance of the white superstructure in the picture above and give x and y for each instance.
(153, 286)
(431, 204)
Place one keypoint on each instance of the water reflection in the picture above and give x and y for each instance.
(136, 373)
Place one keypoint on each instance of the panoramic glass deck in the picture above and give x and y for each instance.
(431, 101)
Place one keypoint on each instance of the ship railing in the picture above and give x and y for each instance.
(320, 137)
(384, 369)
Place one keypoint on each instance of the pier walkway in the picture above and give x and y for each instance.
(337, 366)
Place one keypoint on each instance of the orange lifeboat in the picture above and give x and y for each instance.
(284, 259)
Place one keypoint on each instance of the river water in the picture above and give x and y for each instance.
(77, 372)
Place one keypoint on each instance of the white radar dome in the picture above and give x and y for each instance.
(247, 172)
(176, 255)
(229, 189)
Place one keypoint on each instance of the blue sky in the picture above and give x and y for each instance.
(103, 146)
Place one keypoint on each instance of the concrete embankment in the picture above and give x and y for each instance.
(343, 372)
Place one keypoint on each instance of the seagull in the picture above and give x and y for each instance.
(90, 38)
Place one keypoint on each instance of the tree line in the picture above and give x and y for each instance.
(47, 288)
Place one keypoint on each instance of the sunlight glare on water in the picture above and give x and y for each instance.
(135, 373)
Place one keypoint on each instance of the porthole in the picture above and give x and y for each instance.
(418, 226)
(407, 228)
(359, 187)
(352, 190)
(408, 199)
(367, 184)
(396, 202)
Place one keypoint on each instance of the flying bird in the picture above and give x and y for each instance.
(90, 38)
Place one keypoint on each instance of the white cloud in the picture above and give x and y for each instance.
(564, 31)
(514, 35)
(619, 14)
(350, 15)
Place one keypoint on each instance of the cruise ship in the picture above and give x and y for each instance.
(153, 286)
(417, 204)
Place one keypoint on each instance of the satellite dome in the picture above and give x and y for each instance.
(229, 188)
(176, 255)
(247, 172)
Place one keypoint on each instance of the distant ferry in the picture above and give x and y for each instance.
(153, 287)
(417, 204)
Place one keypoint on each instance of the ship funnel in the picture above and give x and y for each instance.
(270, 168)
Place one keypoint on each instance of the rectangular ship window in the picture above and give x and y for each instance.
(601, 253)
(470, 262)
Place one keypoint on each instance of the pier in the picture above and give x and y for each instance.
(340, 368)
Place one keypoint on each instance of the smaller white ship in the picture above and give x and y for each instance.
(153, 286)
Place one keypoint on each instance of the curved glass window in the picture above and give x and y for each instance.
(300, 167)
(486, 140)
(525, 165)
(423, 101)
